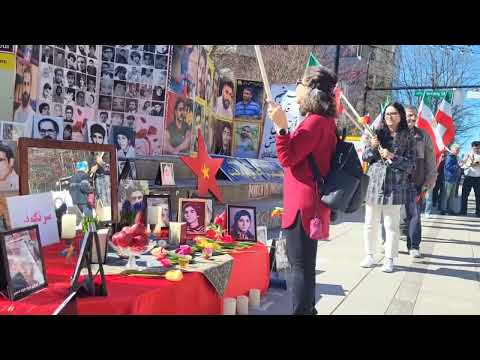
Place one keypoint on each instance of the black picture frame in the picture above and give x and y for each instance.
(145, 207)
(253, 224)
(7, 281)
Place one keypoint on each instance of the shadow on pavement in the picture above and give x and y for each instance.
(453, 258)
(462, 274)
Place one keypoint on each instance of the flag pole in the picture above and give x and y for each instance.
(261, 64)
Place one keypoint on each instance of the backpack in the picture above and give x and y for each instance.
(345, 187)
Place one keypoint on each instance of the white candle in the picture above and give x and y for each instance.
(68, 226)
(104, 213)
(229, 306)
(254, 297)
(242, 305)
(154, 212)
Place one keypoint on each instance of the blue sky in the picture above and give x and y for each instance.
(475, 57)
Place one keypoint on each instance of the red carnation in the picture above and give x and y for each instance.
(220, 220)
(141, 134)
(211, 234)
(227, 239)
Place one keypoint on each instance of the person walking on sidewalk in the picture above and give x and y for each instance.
(451, 173)
(422, 179)
(315, 135)
(472, 179)
(388, 188)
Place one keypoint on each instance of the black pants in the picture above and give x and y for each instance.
(302, 255)
(414, 222)
(437, 193)
(469, 183)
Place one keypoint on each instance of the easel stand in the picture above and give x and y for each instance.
(88, 286)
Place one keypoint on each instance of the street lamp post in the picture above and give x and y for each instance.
(337, 59)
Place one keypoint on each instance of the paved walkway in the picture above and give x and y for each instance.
(445, 281)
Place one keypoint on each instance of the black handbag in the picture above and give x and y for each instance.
(338, 188)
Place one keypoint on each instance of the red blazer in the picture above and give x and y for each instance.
(316, 134)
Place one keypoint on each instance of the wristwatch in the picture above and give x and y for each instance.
(282, 132)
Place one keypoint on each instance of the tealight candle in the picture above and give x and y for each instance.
(242, 305)
(229, 306)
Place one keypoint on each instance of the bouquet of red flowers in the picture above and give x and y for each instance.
(132, 237)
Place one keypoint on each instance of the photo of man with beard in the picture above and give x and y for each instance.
(224, 101)
(24, 113)
(178, 134)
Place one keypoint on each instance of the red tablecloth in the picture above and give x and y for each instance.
(143, 296)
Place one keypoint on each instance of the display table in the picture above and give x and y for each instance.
(194, 295)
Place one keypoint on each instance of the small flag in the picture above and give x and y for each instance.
(338, 100)
(312, 61)
(445, 126)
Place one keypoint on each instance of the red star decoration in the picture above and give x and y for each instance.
(205, 168)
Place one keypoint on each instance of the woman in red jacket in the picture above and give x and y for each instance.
(315, 135)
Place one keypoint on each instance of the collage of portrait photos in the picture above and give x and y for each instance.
(133, 81)
(199, 98)
(68, 87)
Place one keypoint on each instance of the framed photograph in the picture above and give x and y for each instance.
(157, 210)
(262, 234)
(12, 131)
(246, 139)
(249, 99)
(23, 266)
(127, 170)
(194, 213)
(168, 175)
(242, 223)
(209, 200)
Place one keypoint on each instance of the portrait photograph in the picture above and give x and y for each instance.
(134, 74)
(223, 137)
(262, 234)
(147, 76)
(117, 118)
(157, 109)
(198, 123)
(246, 139)
(242, 223)
(59, 57)
(104, 117)
(12, 131)
(108, 53)
(25, 95)
(149, 135)
(92, 84)
(92, 51)
(127, 170)
(57, 96)
(158, 93)
(92, 67)
(133, 90)
(81, 82)
(119, 88)
(157, 210)
(120, 72)
(209, 130)
(178, 127)
(149, 48)
(90, 99)
(202, 74)
(160, 78)
(148, 59)
(184, 66)
(168, 175)
(131, 194)
(97, 133)
(124, 140)
(106, 87)
(29, 53)
(9, 168)
(161, 61)
(146, 91)
(121, 56)
(118, 104)
(48, 128)
(161, 49)
(23, 263)
(194, 213)
(249, 99)
(47, 54)
(81, 64)
(69, 96)
(135, 58)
